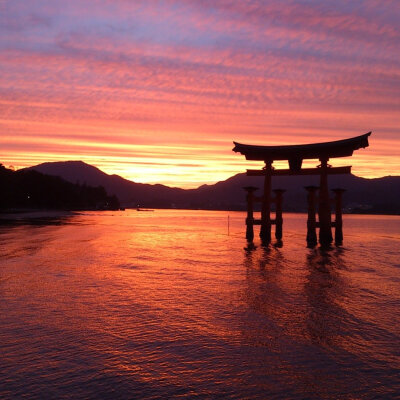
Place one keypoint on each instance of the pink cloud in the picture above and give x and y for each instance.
(195, 74)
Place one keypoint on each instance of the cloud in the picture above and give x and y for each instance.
(195, 75)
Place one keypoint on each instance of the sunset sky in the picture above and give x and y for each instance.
(156, 91)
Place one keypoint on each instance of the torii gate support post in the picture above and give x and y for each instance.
(324, 207)
(311, 221)
(250, 219)
(265, 231)
(278, 213)
(338, 216)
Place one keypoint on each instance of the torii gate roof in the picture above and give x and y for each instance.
(326, 150)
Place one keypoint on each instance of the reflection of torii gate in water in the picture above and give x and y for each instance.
(295, 154)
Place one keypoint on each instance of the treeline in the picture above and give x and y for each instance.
(28, 189)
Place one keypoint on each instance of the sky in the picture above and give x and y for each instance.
(156, 91)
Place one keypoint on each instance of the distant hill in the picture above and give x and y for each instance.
(380, 195)
(30, 189)
(129, 193)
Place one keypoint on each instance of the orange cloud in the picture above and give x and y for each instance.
(158, 91)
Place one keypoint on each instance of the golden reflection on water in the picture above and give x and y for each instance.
(169, 304)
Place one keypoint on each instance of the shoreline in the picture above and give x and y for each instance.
(24, 213)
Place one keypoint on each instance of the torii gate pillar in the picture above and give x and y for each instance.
(265, 231)
(324, 207)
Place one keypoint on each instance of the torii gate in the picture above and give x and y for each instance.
(295, 154)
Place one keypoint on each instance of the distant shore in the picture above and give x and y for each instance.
(31, 213)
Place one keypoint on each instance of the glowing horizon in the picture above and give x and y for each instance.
(156, 91)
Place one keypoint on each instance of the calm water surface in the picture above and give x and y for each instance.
(166, 304)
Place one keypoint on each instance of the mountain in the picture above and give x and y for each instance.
(29, 189)
(379, 195)
(129, 193)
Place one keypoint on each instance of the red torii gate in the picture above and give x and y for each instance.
(295, 154)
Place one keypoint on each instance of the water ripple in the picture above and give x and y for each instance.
(168, 305)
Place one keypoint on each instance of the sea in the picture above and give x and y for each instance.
(173, 304)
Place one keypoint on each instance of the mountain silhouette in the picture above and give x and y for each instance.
(378, 195)
(32, 190)
(130, 194)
